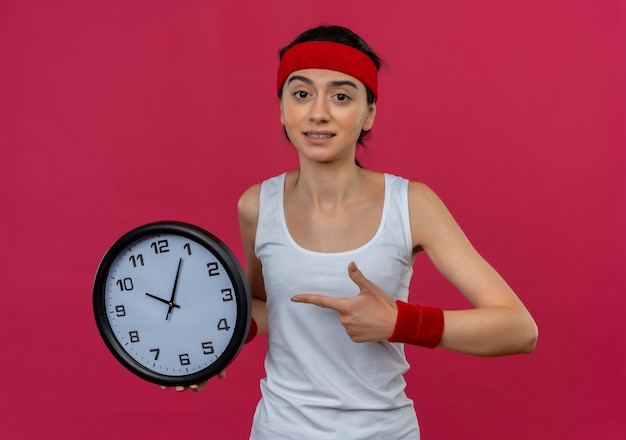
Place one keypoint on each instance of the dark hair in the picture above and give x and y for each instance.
(342, 35)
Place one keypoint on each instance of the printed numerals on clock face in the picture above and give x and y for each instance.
(170, 303)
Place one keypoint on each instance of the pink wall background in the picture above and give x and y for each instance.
(114, 114)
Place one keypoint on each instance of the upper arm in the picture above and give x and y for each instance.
(248, 210)
(436, 232)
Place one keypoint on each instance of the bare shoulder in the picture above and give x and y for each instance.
(422, 198)
(248, 205)
(430, 219)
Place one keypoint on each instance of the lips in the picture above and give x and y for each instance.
(318, 134)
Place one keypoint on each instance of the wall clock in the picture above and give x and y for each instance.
(171, 303)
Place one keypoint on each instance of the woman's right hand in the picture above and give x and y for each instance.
(195, 387)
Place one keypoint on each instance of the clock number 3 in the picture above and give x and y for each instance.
(227, 295)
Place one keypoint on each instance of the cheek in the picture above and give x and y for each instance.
(290, 116)
(287, 119)
(357, 121)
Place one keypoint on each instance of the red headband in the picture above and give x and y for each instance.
(331, 56)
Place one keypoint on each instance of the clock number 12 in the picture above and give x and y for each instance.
(160, 247)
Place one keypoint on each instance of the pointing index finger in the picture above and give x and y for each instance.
(318, 300)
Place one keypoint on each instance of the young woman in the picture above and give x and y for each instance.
(329, 254)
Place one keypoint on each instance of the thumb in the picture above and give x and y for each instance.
(357, 276)
(364, 284)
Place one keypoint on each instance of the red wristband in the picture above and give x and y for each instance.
(251, 331)
(418, 325)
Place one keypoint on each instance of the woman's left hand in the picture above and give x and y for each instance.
(367, 317)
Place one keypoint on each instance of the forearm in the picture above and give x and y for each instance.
(489, 331)
(259, 314)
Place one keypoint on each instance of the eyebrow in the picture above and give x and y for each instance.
(332, 83)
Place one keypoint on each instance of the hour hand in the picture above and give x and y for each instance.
(162, 300)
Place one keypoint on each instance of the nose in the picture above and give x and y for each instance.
(319, 110)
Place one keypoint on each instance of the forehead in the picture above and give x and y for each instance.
(323, 77)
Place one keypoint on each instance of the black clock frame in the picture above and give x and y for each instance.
(228, 261)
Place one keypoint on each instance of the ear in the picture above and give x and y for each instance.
(282, 116)
(369, 119)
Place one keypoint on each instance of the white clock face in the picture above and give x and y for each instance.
(171, 304)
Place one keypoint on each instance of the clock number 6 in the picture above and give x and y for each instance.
(184, 359)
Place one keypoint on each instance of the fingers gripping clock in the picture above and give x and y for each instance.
(171, 303)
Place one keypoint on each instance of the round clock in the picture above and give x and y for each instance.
(172, 303)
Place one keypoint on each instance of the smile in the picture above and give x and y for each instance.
(319, 135)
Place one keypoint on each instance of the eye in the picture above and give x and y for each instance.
(301, 94)
(341, 97)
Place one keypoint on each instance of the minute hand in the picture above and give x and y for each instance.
(171, 303)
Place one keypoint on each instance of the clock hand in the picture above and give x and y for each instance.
(171, 303)
(161, 299)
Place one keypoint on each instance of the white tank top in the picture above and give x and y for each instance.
(320, 384)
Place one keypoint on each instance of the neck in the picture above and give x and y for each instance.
(328, 184)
